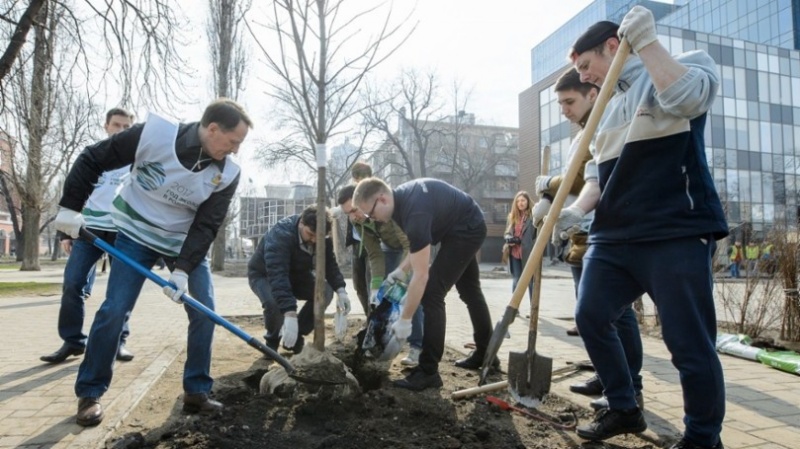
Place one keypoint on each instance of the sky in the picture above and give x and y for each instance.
(483, 45)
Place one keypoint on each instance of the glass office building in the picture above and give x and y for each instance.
(753, 130)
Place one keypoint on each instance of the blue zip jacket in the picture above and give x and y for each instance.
(650, 158)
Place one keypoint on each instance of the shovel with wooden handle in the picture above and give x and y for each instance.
(542, 378)
(528, 371)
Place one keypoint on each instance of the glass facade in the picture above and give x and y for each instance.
(752, 132)
(765, 22)
(550, 55)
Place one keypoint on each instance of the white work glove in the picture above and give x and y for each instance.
(569, 222)
(69, 222)
(402, 329)
(289, 331)
(638, 27)
(180, 282)
(542, 184)
(540, 210)
(397, 275)
(342, 301)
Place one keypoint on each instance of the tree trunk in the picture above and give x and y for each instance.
(30, 232)
(32, 197)
(218, 248)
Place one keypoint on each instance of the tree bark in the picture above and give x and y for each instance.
(18, 38)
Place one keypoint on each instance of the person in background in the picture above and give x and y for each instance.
(657, 219)
(430, 211)
(358, 171)
(519, 237)
(751, 253)
(386, 247)
(182, 182)
(281, 273)
(736, 254)
(79, 273)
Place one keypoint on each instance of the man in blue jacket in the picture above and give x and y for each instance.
(655, 224)
(281, 272)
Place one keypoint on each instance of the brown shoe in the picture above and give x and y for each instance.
(200, 403)
(90, 412)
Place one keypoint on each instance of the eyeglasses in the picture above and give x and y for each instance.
(372, 211)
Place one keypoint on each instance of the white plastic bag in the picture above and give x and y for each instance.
(339, 325)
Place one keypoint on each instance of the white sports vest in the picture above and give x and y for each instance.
(97, 211)
(158, 205)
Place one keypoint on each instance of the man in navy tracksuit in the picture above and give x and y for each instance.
(657, 216)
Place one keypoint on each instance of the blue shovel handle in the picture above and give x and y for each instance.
(191, 302)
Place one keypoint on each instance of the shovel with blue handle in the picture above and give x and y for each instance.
(213, 316)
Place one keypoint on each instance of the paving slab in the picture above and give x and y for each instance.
(37, 402)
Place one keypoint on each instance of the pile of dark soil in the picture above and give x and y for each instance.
(381, 417)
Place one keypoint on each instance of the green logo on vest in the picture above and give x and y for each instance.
(150, 175)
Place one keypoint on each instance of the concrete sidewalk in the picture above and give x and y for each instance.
(37, 403)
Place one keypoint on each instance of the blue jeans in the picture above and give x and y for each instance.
(79, 274)
(515, 266)
(273, 318)
(124, 286)
(677, 274)
(734, 269)
(392, 258)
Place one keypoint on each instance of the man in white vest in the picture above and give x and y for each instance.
(79, 272)
(182, 182)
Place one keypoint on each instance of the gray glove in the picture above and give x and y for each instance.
(542, 184)
(638, 27)
(540, 210)
(569, 222)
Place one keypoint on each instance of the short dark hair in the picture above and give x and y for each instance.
(309, 218)
(571, 80)
(594, 38)
(117, 111)
(345, 194)
(226, 113)
(360, 170)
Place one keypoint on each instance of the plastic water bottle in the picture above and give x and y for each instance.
(397, 292)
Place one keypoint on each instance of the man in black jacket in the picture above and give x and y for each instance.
(281, 272)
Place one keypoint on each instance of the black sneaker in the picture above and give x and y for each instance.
(610, 423)
(475, 361)
(599, 404)
(591, 387)
(419, 380)
(686, 444)
(298, 345)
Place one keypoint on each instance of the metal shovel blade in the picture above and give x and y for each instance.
(210, 314)
(529, 376)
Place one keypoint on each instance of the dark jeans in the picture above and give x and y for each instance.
(677, 274)
(273, 318)
(515, 266)
(457, 265)
(79, 274)
(361, 275)
(628, 330)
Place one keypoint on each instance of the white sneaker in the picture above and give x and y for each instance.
(412, 358)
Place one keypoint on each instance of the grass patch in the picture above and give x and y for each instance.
(29, 288)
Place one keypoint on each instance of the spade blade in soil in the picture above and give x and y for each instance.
(530, 376)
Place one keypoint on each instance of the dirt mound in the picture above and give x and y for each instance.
(381, 417)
